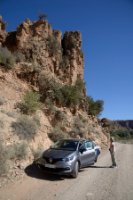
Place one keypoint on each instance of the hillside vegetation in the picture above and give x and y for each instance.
(119, 129)
(122, 129)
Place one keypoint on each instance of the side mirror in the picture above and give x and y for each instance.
(82, 149)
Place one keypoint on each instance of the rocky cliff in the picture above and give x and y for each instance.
(37, 59)
(46, 49)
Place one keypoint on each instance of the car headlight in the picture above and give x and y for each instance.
(67, 159)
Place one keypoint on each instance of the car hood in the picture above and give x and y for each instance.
(54, 153)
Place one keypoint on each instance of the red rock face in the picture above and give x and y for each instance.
(72, 49)
(46, 49)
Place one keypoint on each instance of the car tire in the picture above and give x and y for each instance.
(75, 170)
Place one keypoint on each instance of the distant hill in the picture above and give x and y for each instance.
(125, 123)
(121, 129)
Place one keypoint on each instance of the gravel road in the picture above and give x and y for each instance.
(96, 182)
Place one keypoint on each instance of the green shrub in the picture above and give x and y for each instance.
(6, 58)
(71, 96)
(17, 151)
(120, 134)
(30, 103)
(47, 82)
(95, 107)
(66, 95)
(12, 114)
(20, 150)
(26, 127)
(57, 134)
(131, 133)
(58, 95)
(50, 89)
(80, 85)
(3, 159)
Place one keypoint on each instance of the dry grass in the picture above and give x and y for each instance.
(26, 127)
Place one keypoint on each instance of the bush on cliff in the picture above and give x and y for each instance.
(30, 103)
(6, 58)
(95, 107)
(26, 127)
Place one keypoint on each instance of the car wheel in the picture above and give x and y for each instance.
(75, 170)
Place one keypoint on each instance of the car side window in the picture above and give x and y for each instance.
(82, 146)
(89, 145)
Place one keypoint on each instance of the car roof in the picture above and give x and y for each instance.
(76, 139)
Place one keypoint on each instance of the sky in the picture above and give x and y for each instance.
(106, 27)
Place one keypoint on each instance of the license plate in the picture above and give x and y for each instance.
(50, 166)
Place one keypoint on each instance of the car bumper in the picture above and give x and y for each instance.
(60, 168)
(60, 171)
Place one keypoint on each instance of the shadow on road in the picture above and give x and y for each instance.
(34, 172)
(99, 167)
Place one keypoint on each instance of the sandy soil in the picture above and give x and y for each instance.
(96, 182)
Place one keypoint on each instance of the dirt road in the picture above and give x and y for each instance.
(97, 182)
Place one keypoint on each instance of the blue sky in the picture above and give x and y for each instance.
(107, 43)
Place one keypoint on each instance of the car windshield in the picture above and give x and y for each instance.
(69, 145)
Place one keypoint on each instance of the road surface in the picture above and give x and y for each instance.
(98, 182)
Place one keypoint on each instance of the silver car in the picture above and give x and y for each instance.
(67, 156)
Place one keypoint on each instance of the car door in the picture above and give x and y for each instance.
(83, 155)
(87, 153)
(90, 153)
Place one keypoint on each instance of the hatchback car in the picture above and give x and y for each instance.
(67, 156)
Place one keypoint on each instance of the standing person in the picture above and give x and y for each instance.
(112, 152)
